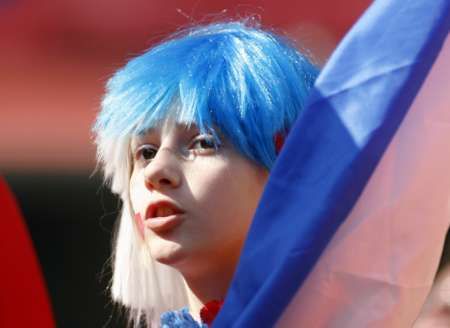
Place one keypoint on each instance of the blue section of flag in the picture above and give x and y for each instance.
(359, 101)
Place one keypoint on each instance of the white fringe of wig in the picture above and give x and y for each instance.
(145, 287)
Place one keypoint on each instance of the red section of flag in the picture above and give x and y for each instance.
(24, 301)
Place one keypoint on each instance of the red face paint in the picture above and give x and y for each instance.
(140, 224)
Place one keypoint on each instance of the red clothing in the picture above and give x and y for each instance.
(24, 301)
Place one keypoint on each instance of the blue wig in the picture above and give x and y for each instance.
(247, 83)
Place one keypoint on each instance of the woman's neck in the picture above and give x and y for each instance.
(206, 287)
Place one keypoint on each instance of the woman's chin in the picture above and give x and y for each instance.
(167, 252)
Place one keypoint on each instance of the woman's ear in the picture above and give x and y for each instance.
(278, 141)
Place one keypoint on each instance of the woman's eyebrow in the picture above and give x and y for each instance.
(187, 129)
(149, 132)
(141, 138)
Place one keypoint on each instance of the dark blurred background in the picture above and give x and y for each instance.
(55, 57)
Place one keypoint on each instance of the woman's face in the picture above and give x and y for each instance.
(195, 199)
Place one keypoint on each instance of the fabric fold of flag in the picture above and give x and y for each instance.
(325, 169)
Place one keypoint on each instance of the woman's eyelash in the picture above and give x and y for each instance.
(146, 152)
(205, 142)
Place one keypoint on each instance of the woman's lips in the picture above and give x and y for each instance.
(163, 216)
(164, 224)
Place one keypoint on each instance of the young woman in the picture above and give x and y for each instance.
(187, 134)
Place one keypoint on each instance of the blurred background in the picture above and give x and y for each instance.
(54, 61)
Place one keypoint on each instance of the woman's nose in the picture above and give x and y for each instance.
(163, 171)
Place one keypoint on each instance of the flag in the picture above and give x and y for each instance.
(349, 229)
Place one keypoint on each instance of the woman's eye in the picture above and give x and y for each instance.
(146, 153)
(204, 143)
